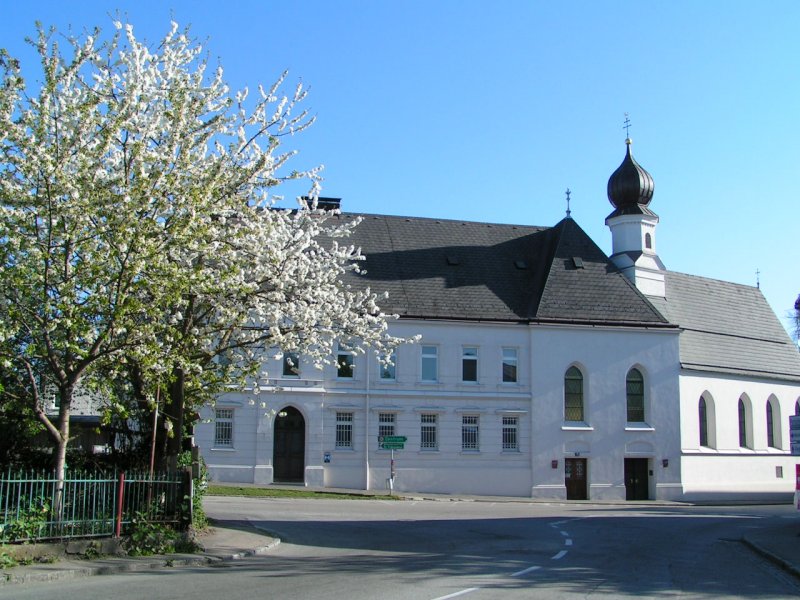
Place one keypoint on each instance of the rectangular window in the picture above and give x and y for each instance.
(344, 362)
(388, 367)
(509, 365)
(469, 364)
(510, 438)
(386, 422)
(430, 363)
(291, 364)
(344, 430)
(428, 438)
(223, 428)
(469, 432)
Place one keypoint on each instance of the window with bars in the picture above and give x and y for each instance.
(634, 391)
(509, 365)
(223, 428)
(510, 437)
(386, 423)
(428, 432)
(344, 430)
(573, 395)
(291, 364)
(469, 364)
(470, 432)
(430, 363)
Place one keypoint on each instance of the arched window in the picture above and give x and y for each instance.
(770, 426)
(742, 424)
(634, 391)
(573, 395)
(797, 407)
(648, 241)
(703, 419)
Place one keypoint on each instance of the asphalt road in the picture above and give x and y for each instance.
(474, 550)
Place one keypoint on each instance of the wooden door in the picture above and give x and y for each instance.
(637, 480)
(575, 478)
(288, 455)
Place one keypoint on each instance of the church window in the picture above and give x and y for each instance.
(648, 241)
(703, 418)
(634, 391)
(573, 395)
(770, 426)
(743, 425)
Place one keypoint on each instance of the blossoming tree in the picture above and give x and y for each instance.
(138, 231)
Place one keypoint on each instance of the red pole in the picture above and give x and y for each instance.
(120, 498)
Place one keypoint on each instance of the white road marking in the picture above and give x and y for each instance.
(564, 533)
(560, 555)
(525, 571)
(568, 542)
(456, 594)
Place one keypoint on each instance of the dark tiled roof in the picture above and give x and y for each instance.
(466, 270)
(728, 328)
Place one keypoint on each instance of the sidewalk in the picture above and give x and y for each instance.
(236, 540)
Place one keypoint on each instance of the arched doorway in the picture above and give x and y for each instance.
(289, 450)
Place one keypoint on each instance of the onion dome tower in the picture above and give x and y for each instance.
(633, 225)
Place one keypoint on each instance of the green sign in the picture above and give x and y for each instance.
(393, 445)
(392, 439)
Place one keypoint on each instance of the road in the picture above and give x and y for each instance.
(431, 550)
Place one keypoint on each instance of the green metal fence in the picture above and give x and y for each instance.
(35, 506)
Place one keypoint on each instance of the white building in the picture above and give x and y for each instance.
(546, 369)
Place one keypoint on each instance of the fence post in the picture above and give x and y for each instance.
(120, 498)
(187, 487)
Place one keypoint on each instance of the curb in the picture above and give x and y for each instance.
(771, 556)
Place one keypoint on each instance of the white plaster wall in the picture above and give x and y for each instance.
(725, 469)
(605, 356)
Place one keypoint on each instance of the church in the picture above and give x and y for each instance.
(546, 369)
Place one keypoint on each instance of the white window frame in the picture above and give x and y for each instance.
(291, 365)
(344, 430)
(223, 428)
(345, 357)
(429, 432)
(470, 433)
(506, 358)
(387, 371)
(469, 356)
(429, 354)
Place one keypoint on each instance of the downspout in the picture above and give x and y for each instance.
(368, 370)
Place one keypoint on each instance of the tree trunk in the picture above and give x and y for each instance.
(60, 459)
(175, 412)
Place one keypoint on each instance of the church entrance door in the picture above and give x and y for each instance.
(289, 450)
(575, 478)
(637, 481)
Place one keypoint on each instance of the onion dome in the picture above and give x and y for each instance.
(630, 187)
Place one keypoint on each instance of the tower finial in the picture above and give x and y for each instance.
(758, 279)
(569, 212)
(627, 127)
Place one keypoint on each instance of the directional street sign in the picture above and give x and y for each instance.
(392, 442)
(392, 439)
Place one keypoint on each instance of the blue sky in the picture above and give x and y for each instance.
(489, 110)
